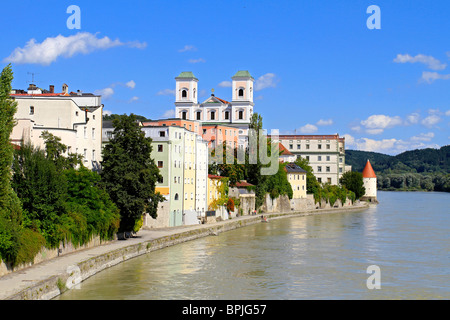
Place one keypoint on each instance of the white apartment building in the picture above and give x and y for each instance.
(74, 117)
(325, 153)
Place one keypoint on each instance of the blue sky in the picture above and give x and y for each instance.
(318, 68)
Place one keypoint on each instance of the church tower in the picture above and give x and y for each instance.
(370, 183)
(186, 95)
(242, 96)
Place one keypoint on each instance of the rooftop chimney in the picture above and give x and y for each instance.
(65, 88)
(52, 89)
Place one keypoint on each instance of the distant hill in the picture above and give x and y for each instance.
(420, 161)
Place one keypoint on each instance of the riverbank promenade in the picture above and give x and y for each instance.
(43, 280)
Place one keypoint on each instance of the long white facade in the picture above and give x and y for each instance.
(74, 117)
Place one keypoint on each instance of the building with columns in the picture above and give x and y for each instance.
(236, 113)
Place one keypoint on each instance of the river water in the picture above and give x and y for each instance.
(313, 257)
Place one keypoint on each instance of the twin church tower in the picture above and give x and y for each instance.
(215, 110)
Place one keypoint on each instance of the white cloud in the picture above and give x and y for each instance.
(322, 122)
(429, 61)
(188, 48)
(447, 113)
(430, 77)
(166, 92)
(169, 114)
(106, 93)
(389, 146)
(413, 118)
(431, 120)
(133, 99)
(308, 128)
(376, 124)
(52, 48)
(260, 97)
(225, 84)
(107, 112)
(266, 81)
(131, 84)
(199, 60)
(423, 137)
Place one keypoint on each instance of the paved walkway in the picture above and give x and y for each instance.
(15, 282)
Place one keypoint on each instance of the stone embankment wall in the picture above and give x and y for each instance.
(46, 254)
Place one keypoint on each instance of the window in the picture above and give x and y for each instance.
(319, 158)
(160, 148)
(204, 131)
(160, 164)
(328, 158)
(175, 180)
(85, 154)
(161, 179)
(184, 93)
(93, 155)
(184, 115)
(85, 132)
(176, 196)
(31, 110)
(185, 196)
(162, 133)
(340, 159)
(307, 147)
(298, 147)
(213, 115)
(319, 180)
(199, 115)
(227, 115)
(307, 158)
(290, 146)
(241, 92)
(319, 169)
(329, 180)
(327, 169)
(319, 146)
(328, 147)
(93, 133)
(76, 113)
(241, 115)
(340, 170)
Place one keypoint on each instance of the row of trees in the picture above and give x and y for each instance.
(414, 182)
(47, 198)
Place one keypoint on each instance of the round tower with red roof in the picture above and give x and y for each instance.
(370, 183)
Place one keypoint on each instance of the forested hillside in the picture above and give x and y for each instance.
(424, 169)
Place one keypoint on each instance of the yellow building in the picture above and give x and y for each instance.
(297, 178)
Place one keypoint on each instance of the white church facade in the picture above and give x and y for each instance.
(214, 110)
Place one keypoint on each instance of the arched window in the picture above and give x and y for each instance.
(176, 196)
(184, 93)
(241, 92)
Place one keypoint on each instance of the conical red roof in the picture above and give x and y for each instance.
(368, 171)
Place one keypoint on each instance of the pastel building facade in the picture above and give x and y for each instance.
(75, 117)
(297, 179)
(178, 153)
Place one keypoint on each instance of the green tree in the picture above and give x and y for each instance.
(353, 181)
(10, 207)
(54, 150)
(42, 189)
(129, 174)
(312, 185)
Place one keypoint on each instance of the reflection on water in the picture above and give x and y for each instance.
(313, 257)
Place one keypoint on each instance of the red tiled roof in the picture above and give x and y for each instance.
(240, 184)
(223, 101)
(212, 176)
(40, 94)
(368, 171)
(283, 150)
